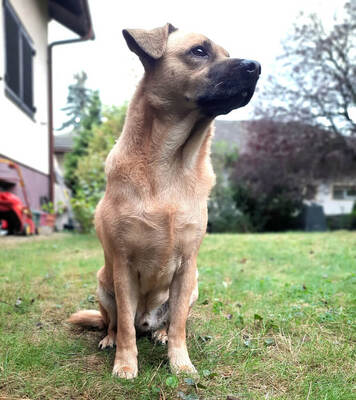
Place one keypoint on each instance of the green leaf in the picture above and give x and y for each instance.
(155, 389)
(239, 320)
(217, 306)
(257, 317)
(172, 381)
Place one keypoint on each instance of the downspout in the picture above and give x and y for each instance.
(88, 36)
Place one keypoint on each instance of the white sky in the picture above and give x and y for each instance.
(247, 29)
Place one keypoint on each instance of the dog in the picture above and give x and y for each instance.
(153, 216)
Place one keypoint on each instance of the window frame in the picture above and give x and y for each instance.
(19, 99)
(344, 189)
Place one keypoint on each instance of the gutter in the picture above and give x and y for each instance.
(89, 36)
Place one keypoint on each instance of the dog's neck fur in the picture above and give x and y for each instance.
(165, 138)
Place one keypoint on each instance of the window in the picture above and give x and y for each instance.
(344, 192)
(18, 61)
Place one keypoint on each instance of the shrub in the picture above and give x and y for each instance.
(222, 212)
(342, 221)
(89, 174)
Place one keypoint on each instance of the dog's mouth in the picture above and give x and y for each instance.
(231, 85)
(214, 105)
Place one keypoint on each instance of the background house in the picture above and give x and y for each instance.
(336, 195)
(25, 89)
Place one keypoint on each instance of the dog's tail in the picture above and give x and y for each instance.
(88, 319)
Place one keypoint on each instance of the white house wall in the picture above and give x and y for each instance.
(324, 197)
(21, 138)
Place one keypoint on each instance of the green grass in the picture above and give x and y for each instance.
(275, 319)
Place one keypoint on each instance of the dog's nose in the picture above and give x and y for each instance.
(251, 67)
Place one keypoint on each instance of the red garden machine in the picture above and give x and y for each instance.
(15, 217)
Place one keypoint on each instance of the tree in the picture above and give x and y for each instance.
(89, 173)
(281, 167)
(91, 117)
(222, 212)
(317, 79)
(77, 101)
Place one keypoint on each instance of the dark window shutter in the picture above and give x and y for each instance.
(12, 39)
(19, 61)
(27, 54)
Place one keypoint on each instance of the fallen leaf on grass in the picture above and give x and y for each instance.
(189, 381)
(91, 298)
(269, 342)
(205, 338)
(191, 396)
(18, 302)
(247, 343)
(208, 374)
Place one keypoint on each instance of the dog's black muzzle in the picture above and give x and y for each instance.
(231, 85)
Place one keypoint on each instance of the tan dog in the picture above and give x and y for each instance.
(153, 216)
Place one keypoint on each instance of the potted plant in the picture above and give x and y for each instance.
(50, 216)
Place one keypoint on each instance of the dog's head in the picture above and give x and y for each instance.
(189, 71)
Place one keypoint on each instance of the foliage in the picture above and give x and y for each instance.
(342, 221)
(316, 83)
(48, 207)
(222, 212)
(280, 168)
(89, 173)
(91, 117)
(57, 209)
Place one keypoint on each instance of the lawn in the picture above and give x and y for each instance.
(275, 319)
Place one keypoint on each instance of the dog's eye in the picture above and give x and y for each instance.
(199, 51)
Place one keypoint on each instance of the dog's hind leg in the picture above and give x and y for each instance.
(107, 307)
(161, 335)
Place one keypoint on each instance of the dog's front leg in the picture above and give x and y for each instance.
(180, 294)
(126, 295)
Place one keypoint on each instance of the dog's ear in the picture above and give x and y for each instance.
(149, 45)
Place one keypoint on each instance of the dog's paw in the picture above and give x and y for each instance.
(160, 336)
(180, 363)
(184, 368)
(108, 341)
(124, 371)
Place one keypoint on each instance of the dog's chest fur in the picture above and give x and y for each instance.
(160, 228)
